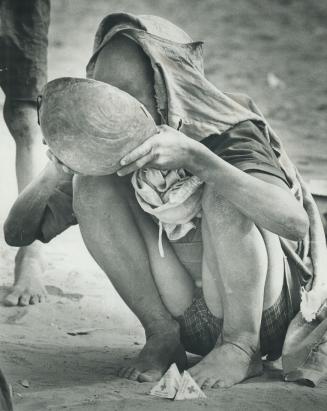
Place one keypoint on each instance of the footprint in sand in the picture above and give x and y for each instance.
(58, 292)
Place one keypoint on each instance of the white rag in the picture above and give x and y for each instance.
(172, 196)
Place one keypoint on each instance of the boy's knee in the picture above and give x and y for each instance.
(84, 189)
(222, 214)
(91, 191)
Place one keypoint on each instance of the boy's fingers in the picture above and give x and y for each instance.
(136, 165)
(59, 164)
(138, 152)
(67, 169)
(52, 157)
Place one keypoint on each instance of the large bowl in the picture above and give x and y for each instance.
(89, 125)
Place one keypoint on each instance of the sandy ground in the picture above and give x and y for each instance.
(248, 42)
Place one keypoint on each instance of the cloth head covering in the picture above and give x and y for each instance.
(185, 98)
(177, 63)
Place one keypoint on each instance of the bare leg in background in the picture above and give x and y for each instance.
(21, 121)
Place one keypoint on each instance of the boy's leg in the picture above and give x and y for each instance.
(238, 263)
(175, 285)
(21, 121)
(103, 206)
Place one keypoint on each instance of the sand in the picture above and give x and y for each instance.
(272, 50)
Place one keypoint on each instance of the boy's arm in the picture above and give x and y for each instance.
(263, 198)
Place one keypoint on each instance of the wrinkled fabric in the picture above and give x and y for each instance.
(243, 146)
(305, 351)
(172, 197)
(188, 101)
(200, 329)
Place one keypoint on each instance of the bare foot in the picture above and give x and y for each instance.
(160, 351)
(28, 288)
(225, 366)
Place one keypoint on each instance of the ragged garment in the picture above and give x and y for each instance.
(185, 97)
(172, 197)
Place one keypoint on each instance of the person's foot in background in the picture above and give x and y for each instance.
(28, 287)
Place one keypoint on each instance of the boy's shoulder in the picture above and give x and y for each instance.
(246, 147)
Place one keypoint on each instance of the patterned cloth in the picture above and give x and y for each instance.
(201, 330)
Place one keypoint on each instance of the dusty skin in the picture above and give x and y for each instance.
(155, 358)
(234, 365)
(78, 372)
(28, 287)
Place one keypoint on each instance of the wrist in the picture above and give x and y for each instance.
(200, 158)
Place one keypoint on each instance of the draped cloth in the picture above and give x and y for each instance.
(172, 197)
(187, 101)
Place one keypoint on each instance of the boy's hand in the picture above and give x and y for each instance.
(169, 149)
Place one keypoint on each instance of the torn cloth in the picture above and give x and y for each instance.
(172, 197)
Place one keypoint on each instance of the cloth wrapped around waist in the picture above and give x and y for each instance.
(172, 197)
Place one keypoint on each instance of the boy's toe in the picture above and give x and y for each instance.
(133, 374)
(149, 376)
